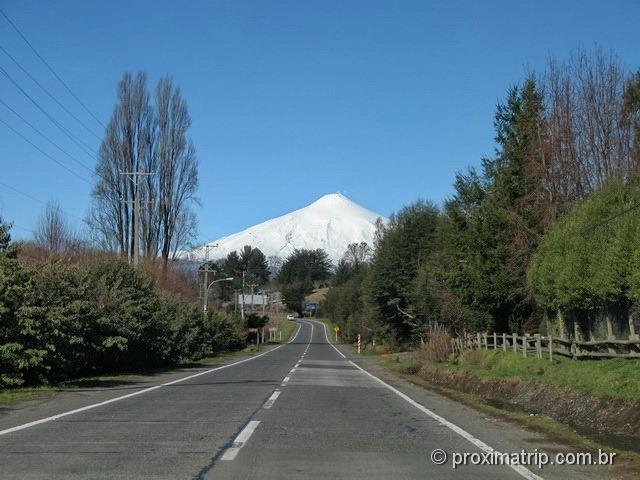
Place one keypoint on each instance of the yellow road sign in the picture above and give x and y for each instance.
(336, 328)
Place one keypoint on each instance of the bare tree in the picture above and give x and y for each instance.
(178, 169)
(127, 147)
(142, 138)
(53, 233)
(357, 253)
(586, 134)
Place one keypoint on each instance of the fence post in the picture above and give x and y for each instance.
(525, 344)
(486, 344)
(479, 341)
(504, 342)
(550, 348)
(632, 329)
(538, 346)
(495, 341)
(515, 342)
(610, 335)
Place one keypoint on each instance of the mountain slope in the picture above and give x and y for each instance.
(331, 223)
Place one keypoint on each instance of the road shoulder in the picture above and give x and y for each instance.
(503, 432)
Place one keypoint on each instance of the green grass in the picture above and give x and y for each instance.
(287, 327)
(14, 395)
(619, 378)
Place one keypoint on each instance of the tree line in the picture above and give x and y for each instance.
(146, 160)
(496, 255)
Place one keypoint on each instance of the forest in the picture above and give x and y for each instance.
(544, 230)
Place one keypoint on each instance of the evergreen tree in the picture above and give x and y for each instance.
(303, 271)
(408, 242)
(5, 236)
(495, 219)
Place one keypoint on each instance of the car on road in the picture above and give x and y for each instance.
(291, 317)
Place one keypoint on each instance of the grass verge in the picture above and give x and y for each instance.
(617, 378)
(15, 395)
(287, 327)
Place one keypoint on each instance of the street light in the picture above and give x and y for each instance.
(206, 291)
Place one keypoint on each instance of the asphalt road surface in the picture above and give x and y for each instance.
(300, 410)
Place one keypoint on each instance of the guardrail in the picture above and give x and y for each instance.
(547, 346)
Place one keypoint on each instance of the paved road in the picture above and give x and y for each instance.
(301, 410)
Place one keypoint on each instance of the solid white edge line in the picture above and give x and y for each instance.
(286, 379)
(524, 472)
(241, 440)
(140, 392)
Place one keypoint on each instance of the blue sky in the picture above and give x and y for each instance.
(383, 101)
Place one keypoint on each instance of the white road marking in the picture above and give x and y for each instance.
(288, 377)
(270, 401)
(140, 392)
(240, 440)
(524, 472)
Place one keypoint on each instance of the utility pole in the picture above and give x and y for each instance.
(242, 299)
(253, 305)
(205, 299)
(134, 176)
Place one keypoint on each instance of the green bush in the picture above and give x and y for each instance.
(589, 259)
(61, 321)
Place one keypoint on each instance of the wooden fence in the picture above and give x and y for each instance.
(548, 346)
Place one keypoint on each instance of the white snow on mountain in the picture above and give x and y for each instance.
(330, 223)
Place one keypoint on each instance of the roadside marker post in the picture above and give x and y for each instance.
(358, 344)
(336, 329)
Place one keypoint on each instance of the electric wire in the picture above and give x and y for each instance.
(87, 149)
(49, 94)
(75, 174)
(33, 49)
(31, 197)
(46, 137)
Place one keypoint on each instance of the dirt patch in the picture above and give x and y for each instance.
(611, 421)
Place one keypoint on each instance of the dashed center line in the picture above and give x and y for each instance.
(272, 399)
(240, 440)
(245, 434)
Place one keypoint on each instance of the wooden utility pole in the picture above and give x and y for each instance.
(135, 178)
(242, 302)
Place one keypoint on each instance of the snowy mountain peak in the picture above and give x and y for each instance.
(331, 223)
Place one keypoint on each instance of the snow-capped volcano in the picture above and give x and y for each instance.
(330, 223)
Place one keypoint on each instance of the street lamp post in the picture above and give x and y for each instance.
(206, 291)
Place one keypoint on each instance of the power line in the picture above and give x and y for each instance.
(51, 68)
(45, 153)
(13, 225)
(31, 197)
(87, 149)
(591, 228)
(45, 137)
(24, 70)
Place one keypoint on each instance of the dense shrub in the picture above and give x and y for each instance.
(61, 321)
(589, 259)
